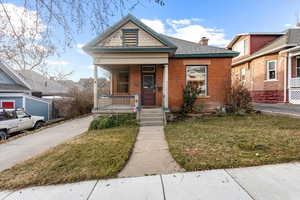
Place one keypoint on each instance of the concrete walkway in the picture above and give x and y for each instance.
(281, 109)
(270, 182)
(25, 147)
(150, 154)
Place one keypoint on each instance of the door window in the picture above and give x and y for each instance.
(148, 81)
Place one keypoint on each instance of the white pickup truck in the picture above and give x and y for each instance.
(12, 121)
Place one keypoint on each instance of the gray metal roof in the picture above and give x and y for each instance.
(12, 88)
(40, 83)
(191, 48)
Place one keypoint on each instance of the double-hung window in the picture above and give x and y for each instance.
(298, 66)
(271, 70)
(123, 82)
(197, 76)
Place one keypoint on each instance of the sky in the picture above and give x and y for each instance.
(219, 20)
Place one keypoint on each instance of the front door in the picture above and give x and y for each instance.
(148, 88)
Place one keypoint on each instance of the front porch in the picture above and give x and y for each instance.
(132, 86)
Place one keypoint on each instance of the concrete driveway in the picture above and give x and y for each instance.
(283, 109)
(270, 182)
(28, 146)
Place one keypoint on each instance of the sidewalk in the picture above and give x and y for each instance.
(150, 154)
(270, 182)
(279, 109)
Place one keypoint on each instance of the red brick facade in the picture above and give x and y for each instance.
(267, 96)
(218, 81)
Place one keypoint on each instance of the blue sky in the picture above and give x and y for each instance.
(219, 20)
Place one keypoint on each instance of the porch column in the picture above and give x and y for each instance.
(289, 76)
(95, 87)
(165, 88)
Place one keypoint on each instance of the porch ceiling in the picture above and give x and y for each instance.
(130, 58)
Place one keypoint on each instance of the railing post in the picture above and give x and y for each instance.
(95, 87)
(137, 106)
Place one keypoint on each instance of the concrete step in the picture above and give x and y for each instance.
(152, 118)
(151, 111)
(152, 123)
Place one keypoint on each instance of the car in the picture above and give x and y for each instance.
(12, 121)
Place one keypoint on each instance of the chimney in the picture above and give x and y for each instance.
(204, 41)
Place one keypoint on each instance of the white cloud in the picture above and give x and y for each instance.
(79, 48)
(188, 29)
(155, 24)
(23, 21)
(57, 62)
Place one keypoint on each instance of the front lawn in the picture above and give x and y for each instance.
(92, 155)
(234, 141)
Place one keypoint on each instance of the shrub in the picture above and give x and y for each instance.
(190, 93)
(240, 100)
(78, 103)
(104, 122)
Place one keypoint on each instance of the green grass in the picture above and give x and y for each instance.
(214, 142)
(93, 155)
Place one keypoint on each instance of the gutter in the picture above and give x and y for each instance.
(291, 49)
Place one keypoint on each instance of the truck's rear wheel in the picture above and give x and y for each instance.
(3, 135)
(38, 124)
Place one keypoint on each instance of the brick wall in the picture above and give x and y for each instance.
(261, 89)
(219, 72)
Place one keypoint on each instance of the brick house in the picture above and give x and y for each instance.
(268, 65)
(150, 69)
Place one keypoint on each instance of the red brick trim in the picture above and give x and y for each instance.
(268, 96)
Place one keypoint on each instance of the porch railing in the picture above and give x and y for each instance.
(295, 82)
(118, 103)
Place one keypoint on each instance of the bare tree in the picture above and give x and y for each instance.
(29, 33)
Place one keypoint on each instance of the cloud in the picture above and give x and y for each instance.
(24, 22)
(188, 29)
(79, 48)
(57, 62)
(155, 24)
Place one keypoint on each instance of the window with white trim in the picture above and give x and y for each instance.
(241, 47)
(197, 76)
(271, 70)
(243, 74)
(298, 66)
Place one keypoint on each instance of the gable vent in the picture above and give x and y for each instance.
(130, 37)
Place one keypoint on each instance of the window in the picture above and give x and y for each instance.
(243, 74)
(123, 81)
(271, 70)
(197, 75)
(241, 47)
(130, 37)
(298, 67)
(8, 104)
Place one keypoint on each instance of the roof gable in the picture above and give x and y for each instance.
(12, 77)
(128, 22)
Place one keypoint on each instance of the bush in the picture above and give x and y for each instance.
(78, 103)
(190, 93)
(104, 122)
(240, 100)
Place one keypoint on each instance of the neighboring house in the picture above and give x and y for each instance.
(41, 86)
(151, 69)
(16, 93)
(88, 83)
(268, 65)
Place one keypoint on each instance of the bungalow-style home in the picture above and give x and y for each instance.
(149, 69)
(15, 93)
(268, 65)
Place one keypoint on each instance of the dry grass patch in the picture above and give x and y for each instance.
(234, 141)
(93, 155)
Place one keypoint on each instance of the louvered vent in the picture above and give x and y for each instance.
(130, 37)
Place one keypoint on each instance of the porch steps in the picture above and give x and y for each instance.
(151, 117)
